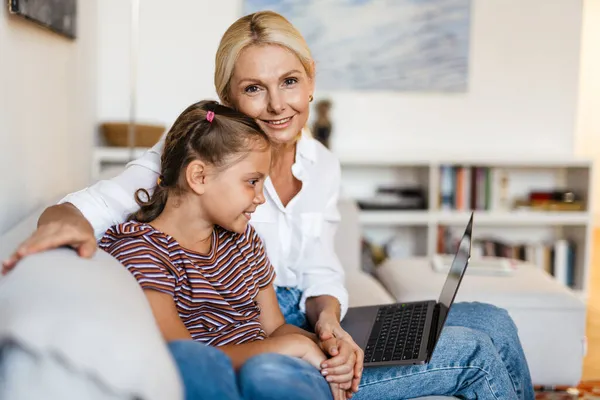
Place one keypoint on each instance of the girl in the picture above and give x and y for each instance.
(265, 70)
(203, 268)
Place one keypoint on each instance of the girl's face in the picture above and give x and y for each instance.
(232, 195)
(270, 85)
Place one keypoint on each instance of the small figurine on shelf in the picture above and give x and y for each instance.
(322, 126)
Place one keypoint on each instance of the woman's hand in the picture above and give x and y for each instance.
(338, 393)
(346, 363)
(61, 225)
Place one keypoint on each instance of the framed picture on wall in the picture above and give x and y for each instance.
(59, 16)
(383, 45)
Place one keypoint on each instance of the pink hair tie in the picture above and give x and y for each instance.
(210, 115)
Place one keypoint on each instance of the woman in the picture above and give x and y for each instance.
(265, 70)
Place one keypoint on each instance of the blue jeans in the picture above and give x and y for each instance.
(207, 373)
(478, 356)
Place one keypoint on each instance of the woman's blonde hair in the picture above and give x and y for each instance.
(260, 28)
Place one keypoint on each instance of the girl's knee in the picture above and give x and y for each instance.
(274, 376)
(191, 352)
(269, 364)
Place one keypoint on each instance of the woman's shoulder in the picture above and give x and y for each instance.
(324, 167)
(319, 154)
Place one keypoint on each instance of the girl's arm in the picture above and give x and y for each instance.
(272, 319)
(166, 316)
(172, 328)
(293, 345)
(282, 338)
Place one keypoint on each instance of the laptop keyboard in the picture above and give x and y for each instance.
(397, 333)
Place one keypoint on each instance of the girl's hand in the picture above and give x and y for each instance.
(309, 351)
(76, 233)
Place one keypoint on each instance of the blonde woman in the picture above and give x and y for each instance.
(265, 70)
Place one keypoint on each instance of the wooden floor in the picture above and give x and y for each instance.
(591, 366)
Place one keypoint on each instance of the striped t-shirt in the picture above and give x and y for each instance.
(214, 293)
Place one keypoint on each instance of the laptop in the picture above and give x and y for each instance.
(407, 333)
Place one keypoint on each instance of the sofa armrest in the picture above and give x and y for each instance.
(92, 317)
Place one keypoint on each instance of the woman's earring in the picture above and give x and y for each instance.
(310, 98)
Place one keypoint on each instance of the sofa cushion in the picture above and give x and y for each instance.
(92, 317)
(364, 290)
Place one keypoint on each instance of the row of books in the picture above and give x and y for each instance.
(557, 258)
(465, 188)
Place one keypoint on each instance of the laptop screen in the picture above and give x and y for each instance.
(457, 270)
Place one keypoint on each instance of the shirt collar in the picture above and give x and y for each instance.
(305, 147)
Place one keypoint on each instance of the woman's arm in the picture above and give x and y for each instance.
(60, 225)
(325, 299)
(323, 291)
(110, 202)
(82, 217)
(320, 306)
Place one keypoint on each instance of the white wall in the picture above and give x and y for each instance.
(47, 111)
(177, 45)
(587, 134)
(521, 98)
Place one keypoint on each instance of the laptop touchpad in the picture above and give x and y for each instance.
(359, 322)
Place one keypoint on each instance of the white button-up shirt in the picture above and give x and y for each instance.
(299, 237)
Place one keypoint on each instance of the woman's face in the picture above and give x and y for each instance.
(270, 85)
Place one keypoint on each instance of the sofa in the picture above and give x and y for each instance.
(72, 328)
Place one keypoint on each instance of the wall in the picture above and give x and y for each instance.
(587, 133)
(176, 53)
(522, 94)
(48, 111)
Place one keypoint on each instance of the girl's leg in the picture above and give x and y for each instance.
(206, 371)
(465, 364)
(274, 376)
(498, 325)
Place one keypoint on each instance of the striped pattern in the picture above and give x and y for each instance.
(214, 293)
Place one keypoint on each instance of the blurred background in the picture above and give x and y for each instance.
(434, 108)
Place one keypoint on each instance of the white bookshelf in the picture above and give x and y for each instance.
(106, 157)
(362, 176)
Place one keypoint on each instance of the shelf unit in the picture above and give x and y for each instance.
(516, 218)
(417, 230)
(106, 157)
